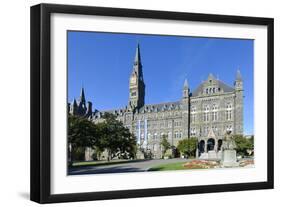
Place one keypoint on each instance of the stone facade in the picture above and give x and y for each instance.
(206, 113)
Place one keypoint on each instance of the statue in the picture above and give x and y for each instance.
(228, 142)
(229, 158)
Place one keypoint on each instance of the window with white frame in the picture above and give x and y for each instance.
(192, 131)
(214, 112)
(206, 113)
(176, 134)
(228, 112)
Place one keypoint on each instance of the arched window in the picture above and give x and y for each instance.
(176, 134)
(206, 113)
(214, 112)
(192, 131)
(228, 112)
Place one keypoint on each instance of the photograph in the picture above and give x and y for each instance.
(144, 103)
(133, 103)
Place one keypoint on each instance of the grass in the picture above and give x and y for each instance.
(169, 166)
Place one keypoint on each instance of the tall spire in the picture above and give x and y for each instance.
(185, 85)
(137, 56)
(185, 91)
(137, 63)
(238, 75)
(82, 96)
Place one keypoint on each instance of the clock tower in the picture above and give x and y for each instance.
(136, 85)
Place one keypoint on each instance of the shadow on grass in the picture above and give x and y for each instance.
(113, 169)
(104, 163)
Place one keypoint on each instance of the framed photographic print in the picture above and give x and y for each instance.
(132, 103)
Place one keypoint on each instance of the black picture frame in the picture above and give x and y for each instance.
(41, 96)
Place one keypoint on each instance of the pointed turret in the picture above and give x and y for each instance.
(185, 85)
(82, 98)
(137, 56)
(238, 75)
(74, 103)
(73, 107)
(89, 108)
(185, 91)
(238, 83)
(211, 77)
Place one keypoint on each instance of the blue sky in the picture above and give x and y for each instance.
(102, 64)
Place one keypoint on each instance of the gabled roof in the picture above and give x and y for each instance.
(223, 86)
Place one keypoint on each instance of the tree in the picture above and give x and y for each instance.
(243, 144)
(165, 144)
(187, 147)
(115, 138)
(82, 133)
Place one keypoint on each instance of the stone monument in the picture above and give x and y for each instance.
(229, 158)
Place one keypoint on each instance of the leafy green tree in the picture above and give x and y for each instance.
(115, 138)
(82, 133)
(187, 147)
(165, 144)
(243, 144)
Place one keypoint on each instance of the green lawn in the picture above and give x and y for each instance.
(170, 166)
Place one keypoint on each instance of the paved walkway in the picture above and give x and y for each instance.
(131, 166)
